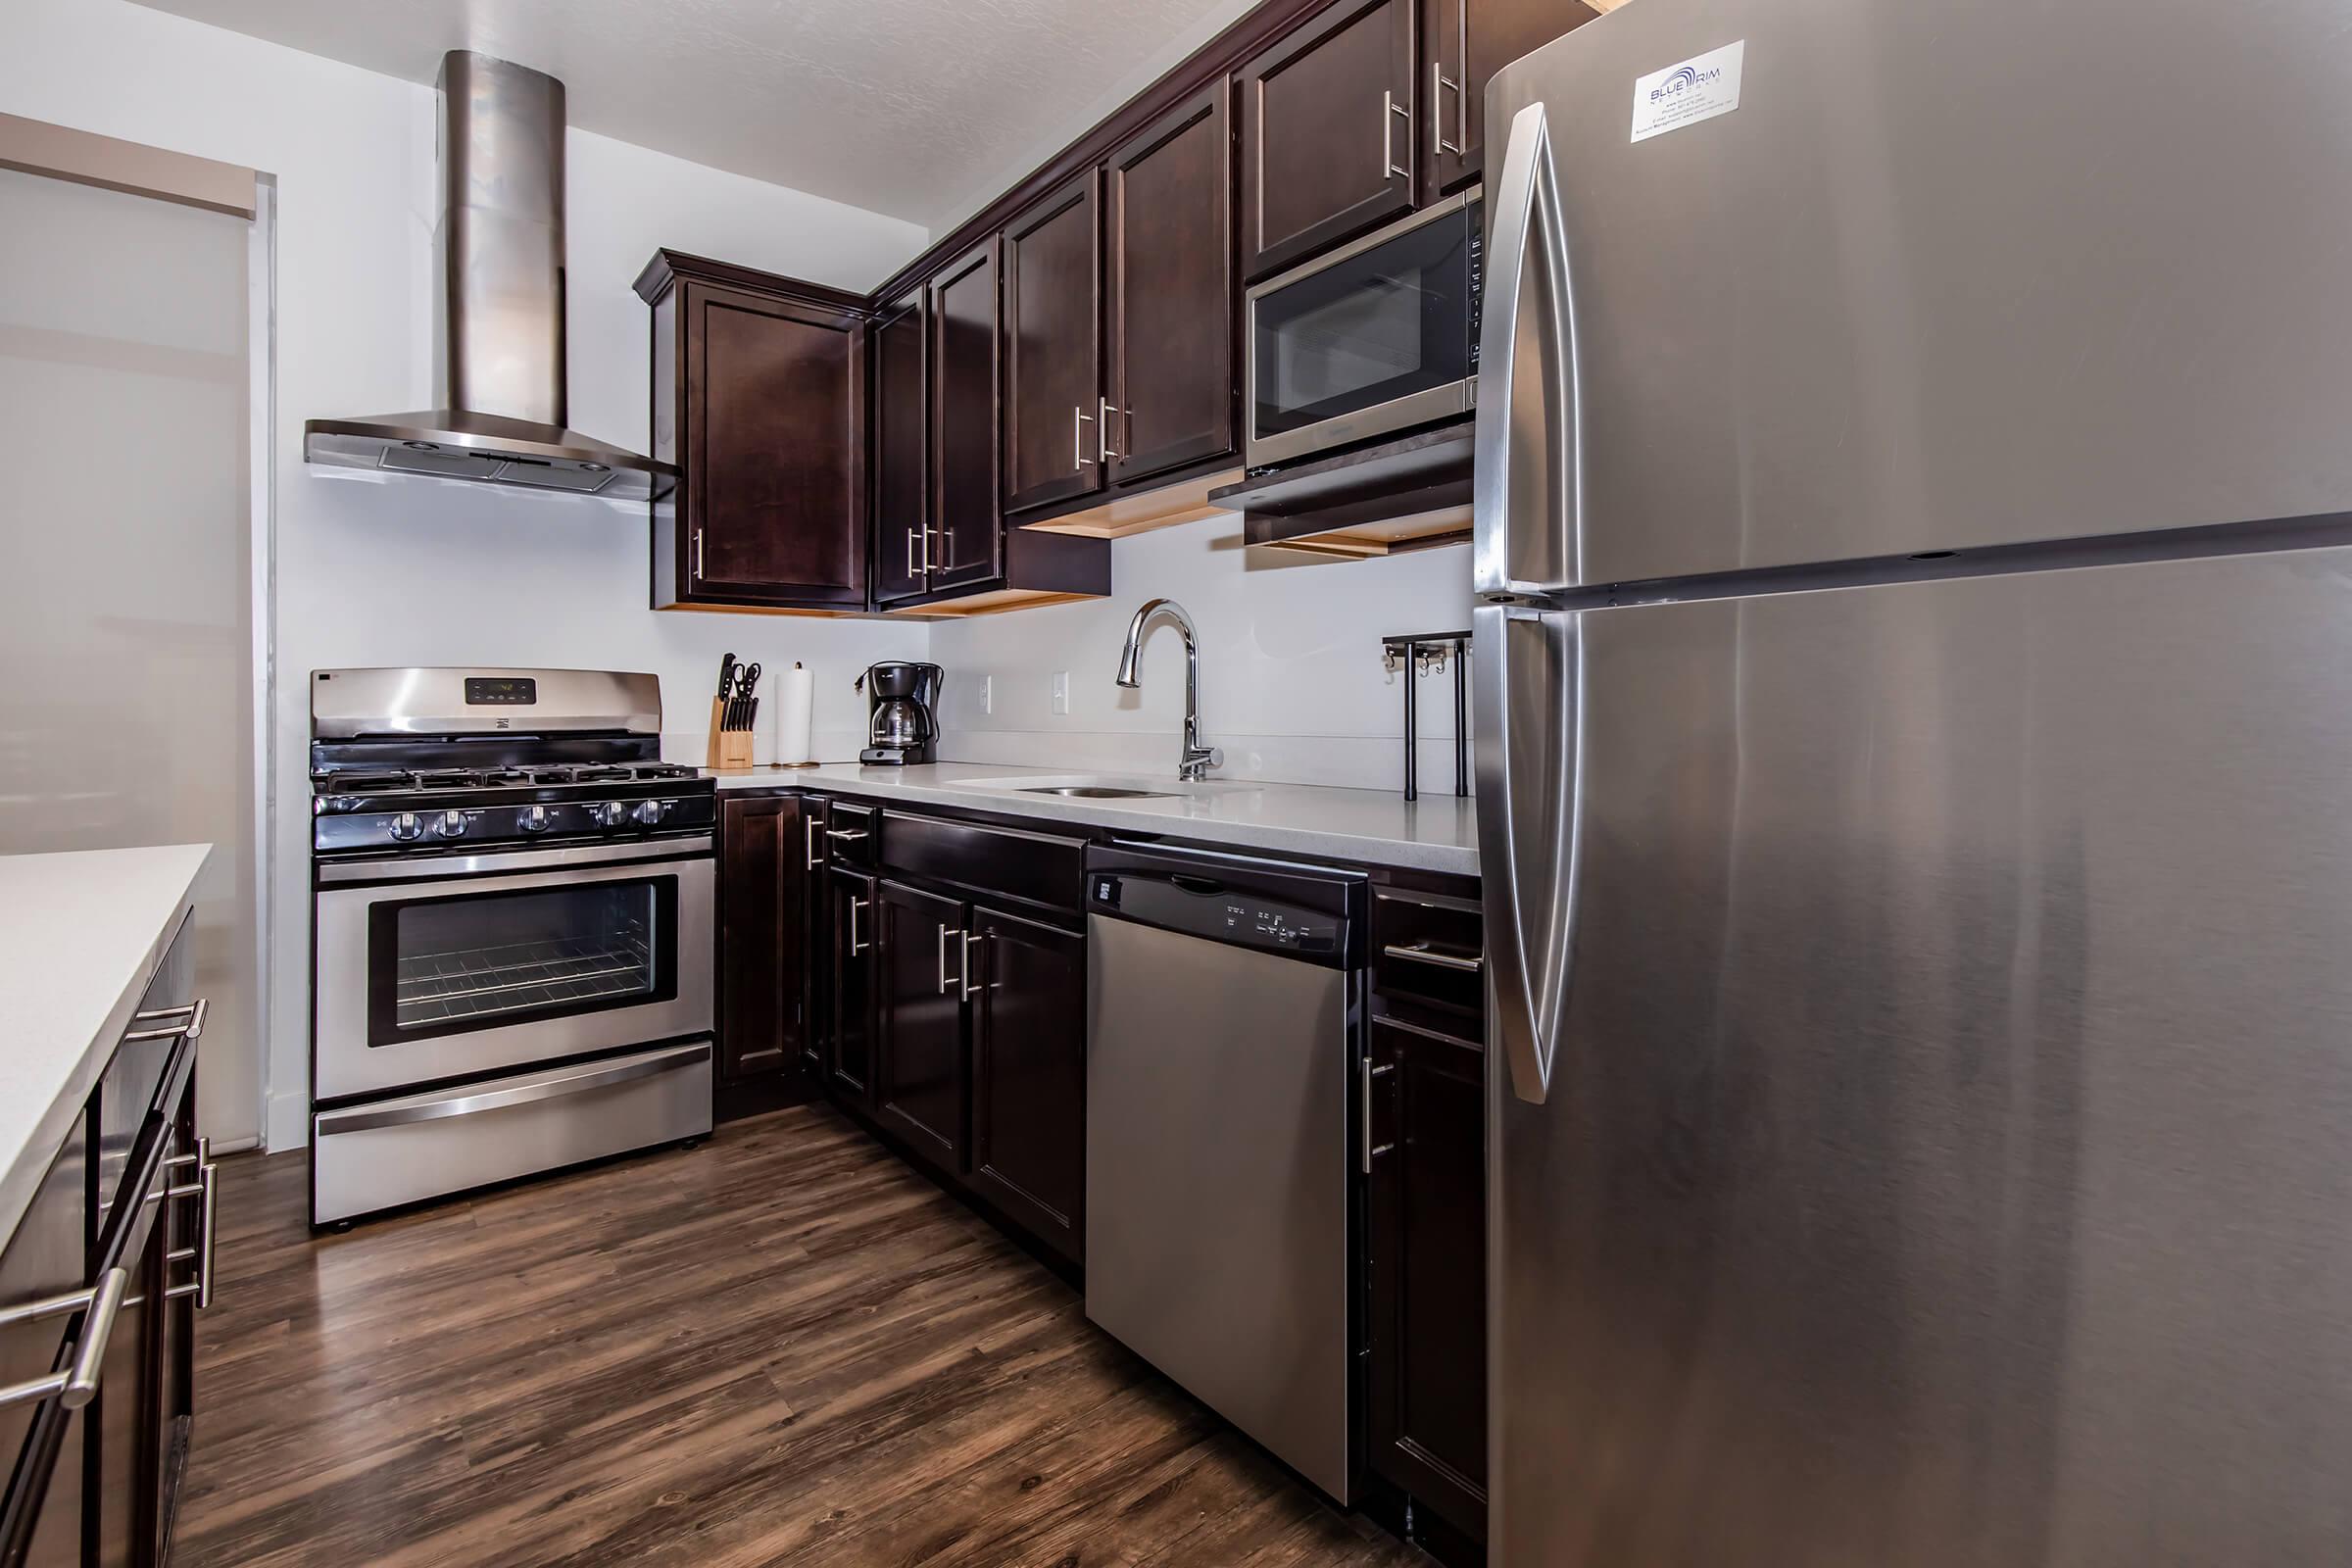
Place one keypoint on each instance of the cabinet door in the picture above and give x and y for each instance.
(919, 1069)
(763, 933)
(1327, 133)
(41, 1444)
(1169, 284)
(1055, 444)
(775, 451)
(123, 1440)
(1029, 1076)
(1426, 1234)
(1465, 42)
(969, 536)
(855, 926)
(902, 449)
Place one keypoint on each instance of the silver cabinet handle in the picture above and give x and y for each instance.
(1367, 1072)
(1391, 110)
(816, 853)
(696, 572)
(1079, 420)
(191, 1027)
(77, 1384)
(945, 983)
(847, 835)
(1423, 953)
(912, 534)
(208, 1226)
(1438, 84)
(1102, 450)
(971, 940)
(857, 947)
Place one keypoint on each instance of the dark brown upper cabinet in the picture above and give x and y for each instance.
(1170, 290)
(759, 398)
(903, 538)
(968, 529)
(1465, 42)
(1056, 437)
(1328, 132)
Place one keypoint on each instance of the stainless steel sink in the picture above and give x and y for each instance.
(1099, 792)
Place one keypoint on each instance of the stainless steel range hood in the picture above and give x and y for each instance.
(498, 307)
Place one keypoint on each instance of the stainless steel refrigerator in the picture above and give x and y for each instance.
(1914, 724)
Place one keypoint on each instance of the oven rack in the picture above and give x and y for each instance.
(477, 982)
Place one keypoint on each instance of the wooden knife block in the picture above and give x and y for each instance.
(729, 747)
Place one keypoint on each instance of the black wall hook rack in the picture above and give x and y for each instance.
(1431, 652)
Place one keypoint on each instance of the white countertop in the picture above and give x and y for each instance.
(1377, 827)
(80, 934)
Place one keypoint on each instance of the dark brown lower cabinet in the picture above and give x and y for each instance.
(850, 897)
(766, 844)
(1426, 1388)
(1029, 1076)
(920, 1073)
(96, 1487)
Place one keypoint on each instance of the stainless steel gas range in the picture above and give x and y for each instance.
(512, 939)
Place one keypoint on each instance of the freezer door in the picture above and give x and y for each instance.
(1949, 276)
(1947, 1155)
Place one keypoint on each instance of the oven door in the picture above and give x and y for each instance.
(1376, 337)
(431, 969)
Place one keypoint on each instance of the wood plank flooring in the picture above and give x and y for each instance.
(780, 1347)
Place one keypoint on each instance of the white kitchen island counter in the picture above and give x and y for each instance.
(81, 935)
(1374, 827)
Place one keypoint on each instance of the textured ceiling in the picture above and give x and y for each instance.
(920, 109)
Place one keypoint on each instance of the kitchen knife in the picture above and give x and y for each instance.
(750, 684)
(726, 684)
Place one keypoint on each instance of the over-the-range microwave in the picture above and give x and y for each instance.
(1376, 337)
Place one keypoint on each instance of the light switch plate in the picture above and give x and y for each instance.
(1061, 692)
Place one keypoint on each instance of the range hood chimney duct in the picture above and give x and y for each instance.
(499, 370)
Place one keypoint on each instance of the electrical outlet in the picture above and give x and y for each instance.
(1061, 692)
(988, 694)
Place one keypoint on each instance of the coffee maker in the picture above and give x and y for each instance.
(903, 718)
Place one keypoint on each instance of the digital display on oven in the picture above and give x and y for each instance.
(500, 691)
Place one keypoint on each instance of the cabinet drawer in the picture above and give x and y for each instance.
(1040, 870)
(1429, 948)
(853, 835)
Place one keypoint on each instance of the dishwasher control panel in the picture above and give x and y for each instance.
(1212, 907)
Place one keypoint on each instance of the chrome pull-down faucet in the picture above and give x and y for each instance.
(1198, 758)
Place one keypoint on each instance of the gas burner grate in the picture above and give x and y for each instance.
(600, 775)
(453, 778)
(357, 783)
(665, 770)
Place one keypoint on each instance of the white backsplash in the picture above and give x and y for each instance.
(1290, 680)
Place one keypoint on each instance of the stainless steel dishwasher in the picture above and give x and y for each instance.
(1224, 1008)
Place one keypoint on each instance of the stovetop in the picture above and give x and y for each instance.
(358, 808)
(361, 780)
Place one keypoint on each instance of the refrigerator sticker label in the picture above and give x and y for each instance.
(1682, 96)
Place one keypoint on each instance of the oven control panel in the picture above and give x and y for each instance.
(474, 828)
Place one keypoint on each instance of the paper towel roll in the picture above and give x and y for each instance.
(796, 695)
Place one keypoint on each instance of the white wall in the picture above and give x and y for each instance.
(399, 573)
(1291, 678)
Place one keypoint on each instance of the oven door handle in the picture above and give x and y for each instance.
(576, 1080)
(420, 867)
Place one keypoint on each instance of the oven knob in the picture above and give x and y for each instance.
(607, 814)
(533, 819)
(405, 827)
(648, 812)
(450, 824)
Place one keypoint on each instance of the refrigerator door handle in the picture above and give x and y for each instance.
(1527, 490)
(1528, 720)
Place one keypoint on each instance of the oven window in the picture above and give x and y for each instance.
(1382, 326)
(478, 960)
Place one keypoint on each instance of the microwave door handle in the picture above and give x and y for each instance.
(1528, 468)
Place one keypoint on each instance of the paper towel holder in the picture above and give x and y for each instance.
(812, 761)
